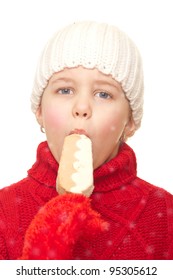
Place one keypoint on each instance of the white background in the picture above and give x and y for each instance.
(25, 26)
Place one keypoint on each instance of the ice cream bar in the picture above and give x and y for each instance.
(75, 173)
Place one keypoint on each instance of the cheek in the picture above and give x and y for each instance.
(112, 124)
(54, 118)
(54, 123)
(119, 118)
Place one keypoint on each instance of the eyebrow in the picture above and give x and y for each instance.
(99, 82)
(63, 79)
(105, 82)
(113, 84)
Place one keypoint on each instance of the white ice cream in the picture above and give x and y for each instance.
(83, 177)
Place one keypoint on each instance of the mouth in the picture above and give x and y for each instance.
(78, 131)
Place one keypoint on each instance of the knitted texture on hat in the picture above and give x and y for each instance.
(93, 45)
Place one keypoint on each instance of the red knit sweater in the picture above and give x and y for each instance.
(125, 217)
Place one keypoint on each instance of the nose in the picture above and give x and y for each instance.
(82, 109)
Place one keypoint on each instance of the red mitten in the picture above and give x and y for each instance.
(58, 225)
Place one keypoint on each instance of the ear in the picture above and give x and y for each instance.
(38, 115)
(130, 128)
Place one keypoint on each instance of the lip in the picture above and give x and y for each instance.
(78, 131)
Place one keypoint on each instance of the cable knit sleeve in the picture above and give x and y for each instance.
(169, 201)
(3, 249)
(58, 225)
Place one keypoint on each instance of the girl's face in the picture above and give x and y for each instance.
(89, 102)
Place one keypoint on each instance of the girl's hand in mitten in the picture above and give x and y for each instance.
(58, 225)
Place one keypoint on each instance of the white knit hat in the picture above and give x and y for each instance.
(93, 45)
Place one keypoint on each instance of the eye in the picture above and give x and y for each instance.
(103, 95)
(65, 91)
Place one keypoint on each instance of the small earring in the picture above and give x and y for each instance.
(42, 129)
(123, 138)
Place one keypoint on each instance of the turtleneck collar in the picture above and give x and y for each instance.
(113, 174)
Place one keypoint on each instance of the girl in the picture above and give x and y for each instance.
(89, 81)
